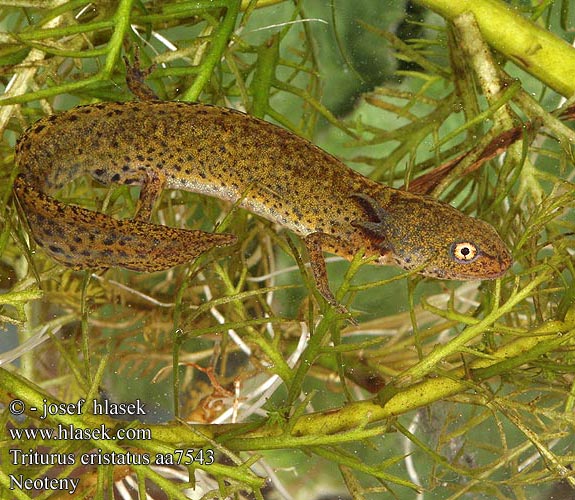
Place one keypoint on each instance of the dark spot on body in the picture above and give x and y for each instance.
(297, 212)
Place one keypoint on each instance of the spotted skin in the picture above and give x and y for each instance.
(232, 156)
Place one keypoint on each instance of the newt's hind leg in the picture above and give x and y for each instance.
(153, 183)
(136, 76)
(152, 187)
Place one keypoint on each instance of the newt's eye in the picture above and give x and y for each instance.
(464, 251)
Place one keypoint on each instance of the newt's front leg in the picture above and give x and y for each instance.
(315, 242)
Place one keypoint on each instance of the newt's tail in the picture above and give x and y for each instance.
(81, 238)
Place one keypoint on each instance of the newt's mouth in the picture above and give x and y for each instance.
(490, 272)
(505, 261)
(504, 264)
(490, 267)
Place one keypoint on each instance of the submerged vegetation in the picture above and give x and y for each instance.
(444, 388)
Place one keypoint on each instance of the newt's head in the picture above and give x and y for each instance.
(436, 239)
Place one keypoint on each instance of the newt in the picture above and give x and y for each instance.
(230, 155)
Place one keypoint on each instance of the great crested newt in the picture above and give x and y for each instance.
(233, 156)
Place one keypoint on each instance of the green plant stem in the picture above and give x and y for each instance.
(490, 112)
(345, 424)
(121, 25)
(552, 461)
(537, 51)
(430, 390)
(354, 463)
(64, 31)
(310, 354)
(121, 28)
(217, 47)
(430, 362)
(11, 384)
(264, 75)
(6, 482)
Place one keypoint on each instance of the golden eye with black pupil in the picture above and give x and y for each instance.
(464, 251)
